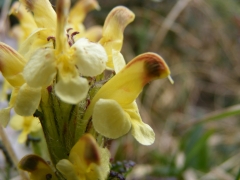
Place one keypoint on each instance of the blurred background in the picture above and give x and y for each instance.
(196, 120)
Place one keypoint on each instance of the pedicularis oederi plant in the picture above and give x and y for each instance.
(74, 84)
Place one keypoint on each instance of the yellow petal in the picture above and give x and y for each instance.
(79, 11)
(125, 86)
(100, 172)
(86, 161)
(109, 119)
(90, 57)
(25, 18)
(44, 15)
(23, 136)
(105, 167)
(94, 33)
(83, 159)
(38, 39)
(35, 124)
(27, 100)
(72, 90)
(66, 168)
(41, 69)
(62, 15)
(17, 122)
(142, 132)
(113, 28)
(85, 152)
(5, 116)
(26, 124)
(38, 168)
(118, 61)
(11, 65)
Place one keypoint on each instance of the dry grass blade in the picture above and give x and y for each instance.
(221, 170)
(177, 28)
(11, 152)
(167, 23)
(3, 18)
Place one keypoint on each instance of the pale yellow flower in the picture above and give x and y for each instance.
(26, 125)
(86, 161)
(47, 57)
(70, 59)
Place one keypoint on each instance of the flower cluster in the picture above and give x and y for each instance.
(76, 81)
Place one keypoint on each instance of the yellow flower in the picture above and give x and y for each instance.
(26, 124)
(113, 28)
(41, 62)
(113, 109)
(37, 168)
(69, 58)
(86, 161)
(78, 13)
(27, 23)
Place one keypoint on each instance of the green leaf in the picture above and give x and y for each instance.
(195, 146)
(214, 116)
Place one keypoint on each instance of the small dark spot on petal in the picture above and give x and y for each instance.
(153, 67)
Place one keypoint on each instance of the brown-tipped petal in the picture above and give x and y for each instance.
(37, 168)
(116, 22)
(113, 28)
(11, 65)
(154, 66)
(25, 18)
(125, 86)
(62, 10)
(91, 154)
(86, 150)
(80, 10)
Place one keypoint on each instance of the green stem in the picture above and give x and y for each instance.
(60, 122)
(52, 130)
